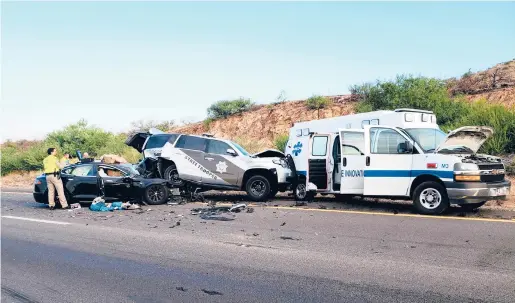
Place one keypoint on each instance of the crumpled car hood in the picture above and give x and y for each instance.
(269, 153)
(471, 137)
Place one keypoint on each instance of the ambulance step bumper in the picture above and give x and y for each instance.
(474, 192)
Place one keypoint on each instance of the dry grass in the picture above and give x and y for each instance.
(19, 179)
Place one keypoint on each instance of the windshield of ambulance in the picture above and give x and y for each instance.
(427, 138)
(240, 149)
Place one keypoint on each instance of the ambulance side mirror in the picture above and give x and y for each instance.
(231, 152)
(405, 148)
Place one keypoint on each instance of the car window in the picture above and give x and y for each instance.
(319, 146)
(193, 143)
(159, 141)
(82, 170)
(385, 141)
(110, 172)
(217, 147)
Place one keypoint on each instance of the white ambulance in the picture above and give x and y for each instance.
(399, 154)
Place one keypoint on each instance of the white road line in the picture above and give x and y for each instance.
(37, 220)
(16, 192)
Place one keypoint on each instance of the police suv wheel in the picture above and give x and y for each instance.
(172, 174)
(258, 188)
(430, 198)
(156, 194)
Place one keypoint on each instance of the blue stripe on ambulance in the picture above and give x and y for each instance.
(444, 174)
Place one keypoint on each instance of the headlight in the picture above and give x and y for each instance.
(465, 167)
(280, 162)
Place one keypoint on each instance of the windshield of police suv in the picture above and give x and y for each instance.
(240, 149)
(427, 138)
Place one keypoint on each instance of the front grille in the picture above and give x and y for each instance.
(318, 173)
(491, 166)
(492, 178)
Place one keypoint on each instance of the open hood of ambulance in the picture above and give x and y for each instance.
(465, 140)
(269, 153)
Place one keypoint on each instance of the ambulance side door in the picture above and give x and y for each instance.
(388, 161)
(318, 161)
(352, 161)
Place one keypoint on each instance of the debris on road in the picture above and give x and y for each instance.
(284, 223)
(322, 207)
(220, 213)
(212, 292)
(289, 238)
(100, 205)
(181, 288)
(75, 206)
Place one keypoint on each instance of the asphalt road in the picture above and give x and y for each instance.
(274, 254)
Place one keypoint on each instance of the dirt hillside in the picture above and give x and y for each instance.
(258, 128)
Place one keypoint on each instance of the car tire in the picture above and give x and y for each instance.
(156, 194)
(472, 206)
(301, 194)
(258, 188)
(172, 174)
(430, 198)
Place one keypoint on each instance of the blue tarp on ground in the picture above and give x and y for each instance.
(101, 206)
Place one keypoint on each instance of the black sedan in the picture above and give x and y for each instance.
(83, 182)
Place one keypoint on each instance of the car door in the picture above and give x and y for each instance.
(190, 154)
(80, 182)
(352, 161)
(318, 161)
(219, 162)
(387, 164)
(113, 181)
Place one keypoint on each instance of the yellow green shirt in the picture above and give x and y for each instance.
(50, 164)
(65, 161)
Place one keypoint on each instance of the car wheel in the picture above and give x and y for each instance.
(472, 206)
(430, 198)
(301, 194)
(258, 188)
(156, 194)
(172, 174)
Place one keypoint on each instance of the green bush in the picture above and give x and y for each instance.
(280, 142)
(432, 94)
(207, 123)
(226, 108)
(317, 103)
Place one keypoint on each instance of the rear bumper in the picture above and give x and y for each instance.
(474, 192)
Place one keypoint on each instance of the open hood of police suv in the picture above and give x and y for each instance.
(465, 140)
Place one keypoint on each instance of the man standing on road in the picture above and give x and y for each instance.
(52, 168)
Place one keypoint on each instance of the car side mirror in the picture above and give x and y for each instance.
(232, 152)
(127, 180)
(405, 148)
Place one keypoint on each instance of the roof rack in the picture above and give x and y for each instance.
(411, 110)
(207, 135)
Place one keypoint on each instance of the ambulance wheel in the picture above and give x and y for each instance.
(430, 198)
(472, 206)
(301, 194)
(172, 174)
(258, 188)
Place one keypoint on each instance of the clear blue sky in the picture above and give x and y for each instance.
(117, 62)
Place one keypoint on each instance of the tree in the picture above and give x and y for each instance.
(317, 103)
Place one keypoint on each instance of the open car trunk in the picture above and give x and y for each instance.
(137, 140)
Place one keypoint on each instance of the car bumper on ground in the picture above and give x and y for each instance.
(474, 192)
